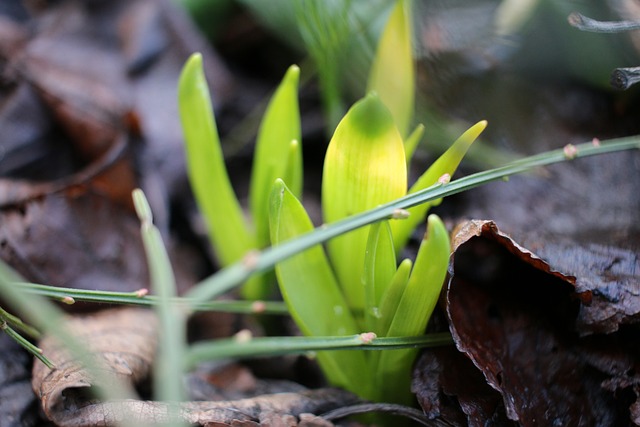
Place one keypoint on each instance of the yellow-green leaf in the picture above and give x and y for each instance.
(447, 163)
(379, 268)
(391, 298)
(412, 141)
(273, 157)
(311, 292)
(208, 176)
(364, 167)
(392, 74)
(414, 310)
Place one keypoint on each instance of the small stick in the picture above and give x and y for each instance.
(623, 78)
(585, 23)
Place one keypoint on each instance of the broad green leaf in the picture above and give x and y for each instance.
(279, 127)
(311, 292)
(412, 141)
(379, 268)
(415, 308)
(208, 176)
(447, 163)
(364, 167)
(392, 73)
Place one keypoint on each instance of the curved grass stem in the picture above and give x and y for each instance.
(237, 273)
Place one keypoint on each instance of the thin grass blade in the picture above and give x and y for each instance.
(167, 380)
(276, 346)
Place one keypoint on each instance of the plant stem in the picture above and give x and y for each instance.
(273, 346)
(139, 298)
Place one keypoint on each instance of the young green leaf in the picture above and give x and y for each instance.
(422, 291)
(208, 176)
(447, 163)
(364, 167)
(310, 290)
(392, 73)
(379, 269)
(391, 298)
(414, 310)
(412, 141)
(274, 157)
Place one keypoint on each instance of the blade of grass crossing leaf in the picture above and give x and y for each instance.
(310, 290)
(208, 176)
(275, 346)
(273, 157)
(447, 163)
(414, 310)
(392, 72)
(379, 268)
(233, 275)
(172, 339)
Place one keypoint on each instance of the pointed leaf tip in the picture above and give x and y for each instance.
(371, 117)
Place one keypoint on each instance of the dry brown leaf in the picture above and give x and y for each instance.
(123, 341)
(518, 319)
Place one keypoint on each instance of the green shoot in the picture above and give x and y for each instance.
(392, 73)
(278, 155)
(275, 156)
(172, 340)
(230, 235)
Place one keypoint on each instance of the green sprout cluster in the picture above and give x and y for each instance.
(355, 285)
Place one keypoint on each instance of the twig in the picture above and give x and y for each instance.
(585, 23)
(623, 78)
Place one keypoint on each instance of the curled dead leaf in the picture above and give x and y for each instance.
(520, 319)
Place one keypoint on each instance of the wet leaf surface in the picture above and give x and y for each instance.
(521, 323)
(87, 112)
(123, 342)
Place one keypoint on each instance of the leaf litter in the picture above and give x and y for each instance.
(544, 338)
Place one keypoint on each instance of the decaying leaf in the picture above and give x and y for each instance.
(123, 341)
(520, 319)
(88, 112)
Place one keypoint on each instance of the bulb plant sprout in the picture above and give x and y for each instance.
(356, 286)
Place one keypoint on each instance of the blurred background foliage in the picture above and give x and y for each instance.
(516, 63)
